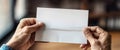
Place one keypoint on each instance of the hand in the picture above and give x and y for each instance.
(98, 39)
(24, 35)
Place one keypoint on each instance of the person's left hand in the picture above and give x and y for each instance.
(24, 35)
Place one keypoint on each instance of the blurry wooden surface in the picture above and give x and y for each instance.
(63, 46)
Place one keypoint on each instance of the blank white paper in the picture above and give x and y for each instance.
(62, 25)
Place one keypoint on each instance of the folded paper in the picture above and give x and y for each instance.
(62, 25)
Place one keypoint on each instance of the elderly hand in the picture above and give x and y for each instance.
(98, 39)
(24, 35)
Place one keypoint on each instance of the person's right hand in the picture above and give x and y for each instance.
(98, 39)
(24, 35)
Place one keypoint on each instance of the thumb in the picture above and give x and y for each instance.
(88, 35)
(33, 28)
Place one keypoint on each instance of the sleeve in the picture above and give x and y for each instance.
(5, 47)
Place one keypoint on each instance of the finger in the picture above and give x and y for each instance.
(104, 37)
(85, 48)
(96, 29)
(83, 45)
(26, 22)
(32, 28)
(88, 35)
(99, 33)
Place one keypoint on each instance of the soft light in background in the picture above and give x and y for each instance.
(104, 13)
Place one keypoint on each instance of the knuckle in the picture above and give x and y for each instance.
(107, 34)
(87, 34)
(85, 29)
(96, 42)
(97, 26)
(26, 29)
(23, 20)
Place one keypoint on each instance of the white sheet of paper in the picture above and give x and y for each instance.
(62, 25)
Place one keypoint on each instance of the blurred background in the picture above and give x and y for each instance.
(103, 13)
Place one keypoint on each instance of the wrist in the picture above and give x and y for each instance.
(12, 45)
